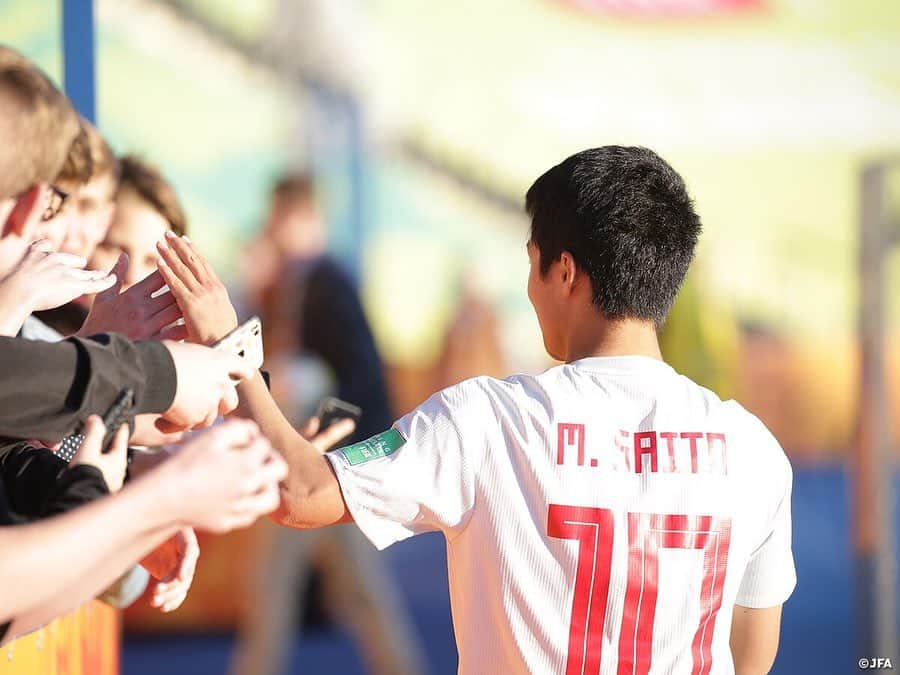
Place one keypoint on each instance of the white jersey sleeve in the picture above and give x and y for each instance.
(419, 476)
(770, 576)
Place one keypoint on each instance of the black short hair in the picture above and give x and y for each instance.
(626, 218)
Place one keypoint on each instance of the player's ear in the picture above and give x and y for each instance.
(568, 270)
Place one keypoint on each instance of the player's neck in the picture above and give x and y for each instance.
(599, 337)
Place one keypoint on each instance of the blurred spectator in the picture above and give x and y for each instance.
(472, 345)
(48, 388)
(88, 217)
(38, 126)
(146, 207)
(92, 207)
(310, 307)
(37, 130)
(76, 173)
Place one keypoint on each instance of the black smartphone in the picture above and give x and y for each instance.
(115, 416)
(333, 410)
(112, 419)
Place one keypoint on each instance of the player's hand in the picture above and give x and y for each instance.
(224, 478)
(328, 438)
(47, 279)
(134, 313)
(112, 464)
(205, 386)
(172, 567)
(207, 310)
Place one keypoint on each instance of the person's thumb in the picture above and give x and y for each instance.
(119, 270)
(334, 434)
(90, 449)
(310, 427)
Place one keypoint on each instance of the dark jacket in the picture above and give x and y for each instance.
(38, 484)
(333, 326)
(46, 389)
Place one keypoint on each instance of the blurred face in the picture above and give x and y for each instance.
(136, 227)
(295, 227)
(548, 303)
(89, 216)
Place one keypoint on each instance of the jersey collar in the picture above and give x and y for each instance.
(621, 364)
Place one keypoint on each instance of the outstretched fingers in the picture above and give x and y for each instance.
(189, 255)
(118, 275)
(178, 287)
(169, 257)
(334, 434)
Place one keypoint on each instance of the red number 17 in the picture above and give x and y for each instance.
(593, 528)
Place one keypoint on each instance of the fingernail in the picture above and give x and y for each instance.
(171, 235)
(185, 237)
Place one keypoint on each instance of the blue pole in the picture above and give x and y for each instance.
(78, 56)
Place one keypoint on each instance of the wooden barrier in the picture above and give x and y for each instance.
(85, 642)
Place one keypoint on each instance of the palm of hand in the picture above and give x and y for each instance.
(139, 313)
(52, 279)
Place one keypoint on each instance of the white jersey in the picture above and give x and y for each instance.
(604, 516)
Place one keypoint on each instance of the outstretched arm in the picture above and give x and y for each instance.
(43, 279)
(99, 541)
(89, 568)
(310, 496)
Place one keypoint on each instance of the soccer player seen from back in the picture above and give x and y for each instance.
(606, 516)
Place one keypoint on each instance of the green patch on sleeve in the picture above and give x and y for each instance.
(379, 446)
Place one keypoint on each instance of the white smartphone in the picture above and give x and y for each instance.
(245, 341)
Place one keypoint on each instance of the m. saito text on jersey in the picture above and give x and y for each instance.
(666, 451)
